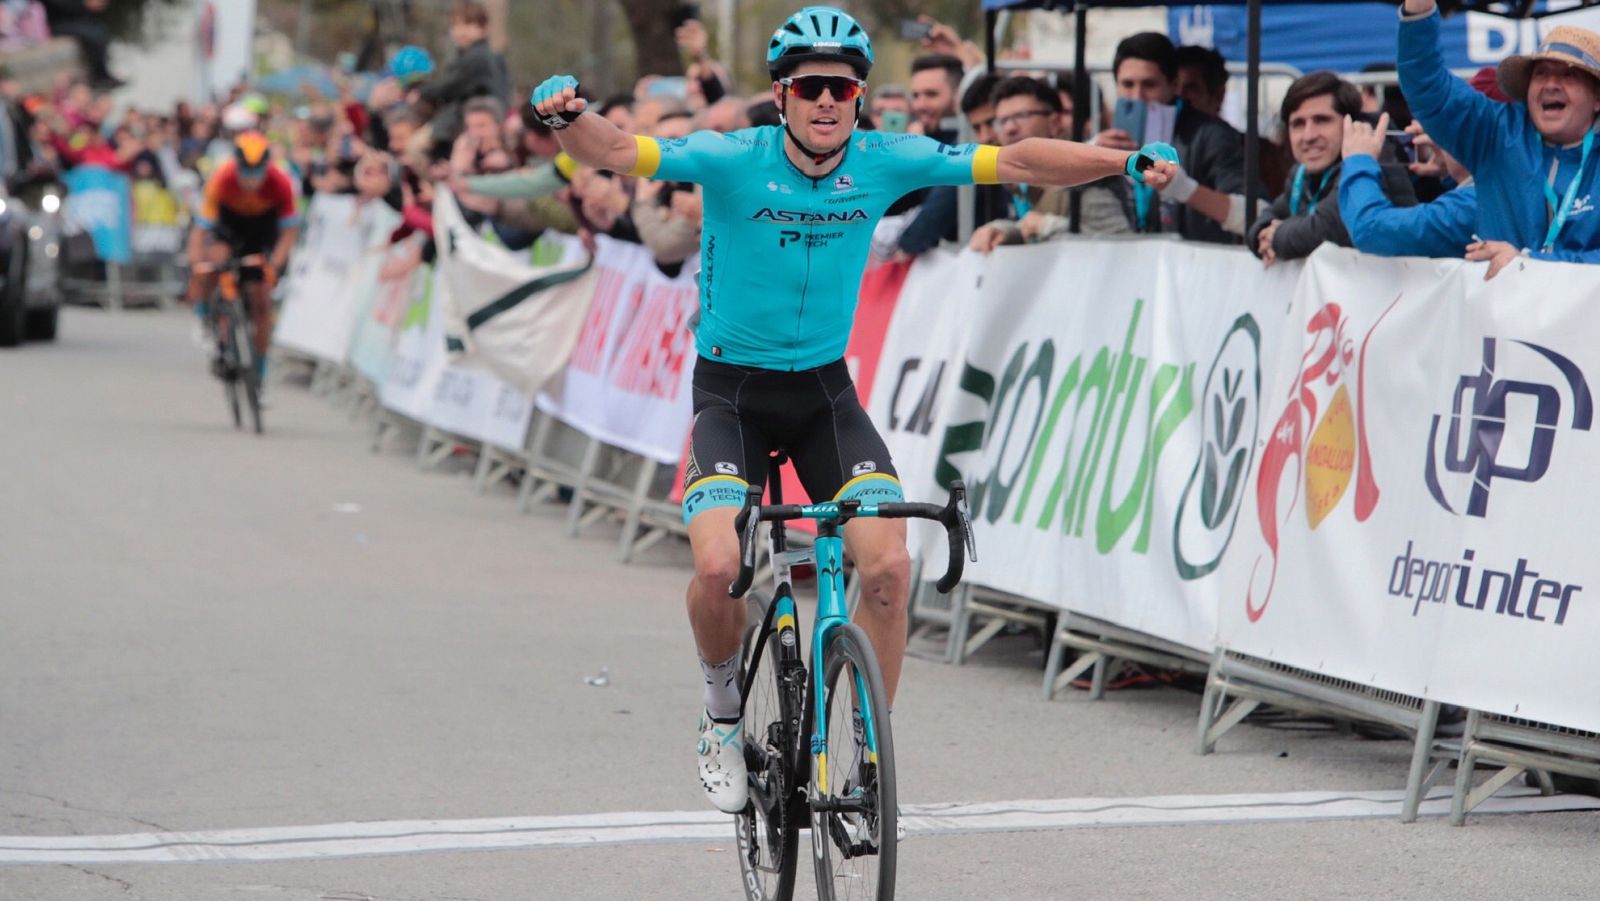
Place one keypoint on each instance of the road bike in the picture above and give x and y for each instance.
(817, 742)
(229, 325)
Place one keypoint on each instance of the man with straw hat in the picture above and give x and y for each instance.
(1533, 159)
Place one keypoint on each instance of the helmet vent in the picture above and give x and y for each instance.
(793, 29)
(816, 24)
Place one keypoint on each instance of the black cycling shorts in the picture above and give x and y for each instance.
(247, 235)
(742, 415)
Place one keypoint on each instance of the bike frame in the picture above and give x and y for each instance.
(832, 613)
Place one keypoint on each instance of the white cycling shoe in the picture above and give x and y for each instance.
(722, 769)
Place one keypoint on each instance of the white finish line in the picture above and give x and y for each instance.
(340, 840)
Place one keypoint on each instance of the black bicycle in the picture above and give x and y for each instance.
(817, 741)
(228, 323)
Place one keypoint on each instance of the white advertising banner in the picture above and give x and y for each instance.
(372, 344)
(506, 315)
(334, 275)
(627, 380)
(1416, 519)
(419, 357)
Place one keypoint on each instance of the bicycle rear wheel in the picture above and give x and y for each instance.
(853, 813)
(768, 830)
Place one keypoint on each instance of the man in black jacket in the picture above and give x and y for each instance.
(477, 71)
(1307, 212)
(1206, 201)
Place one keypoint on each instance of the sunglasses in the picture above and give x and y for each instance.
(810, 87)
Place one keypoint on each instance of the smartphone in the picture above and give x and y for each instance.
(893, 120)
(913, 30)
(1405, 148)
(669, 86)
(1130, 116)
(683, 12)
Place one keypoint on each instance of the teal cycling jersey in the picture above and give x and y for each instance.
(782, 253)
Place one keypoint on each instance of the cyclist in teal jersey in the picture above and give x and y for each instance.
(788, 217)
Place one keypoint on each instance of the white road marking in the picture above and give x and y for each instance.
(340, 840)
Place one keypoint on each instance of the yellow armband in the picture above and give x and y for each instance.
(649, 157)
(986, 165)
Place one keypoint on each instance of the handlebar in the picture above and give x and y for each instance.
(954, 516)
(245, 262)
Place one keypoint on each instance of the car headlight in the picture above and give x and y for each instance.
(51, 203)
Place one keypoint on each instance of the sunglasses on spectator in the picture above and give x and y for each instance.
(810, 87)
(1003, 121)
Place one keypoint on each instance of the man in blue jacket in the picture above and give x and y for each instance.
(1532, 157)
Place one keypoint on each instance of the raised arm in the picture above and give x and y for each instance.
(1054, 163)
(591, 140)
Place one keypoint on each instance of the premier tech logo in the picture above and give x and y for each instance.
(1074, 441)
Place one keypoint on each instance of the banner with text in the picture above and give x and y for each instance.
(1099, 401)
(1416, 519)
(627, 380)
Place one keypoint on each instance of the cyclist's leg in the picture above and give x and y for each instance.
(841, 455)
(723, 453)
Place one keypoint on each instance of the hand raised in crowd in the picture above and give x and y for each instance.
(648, 190)
(985, 238)
(464, 155)
(1264, 243)
(687, 205)
(1432, 160)
(944, 39)
(1361, 138)
(692, 39)
(1498, 253)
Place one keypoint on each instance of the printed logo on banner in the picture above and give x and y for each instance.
(1337, 450)
(1054, 440)
(1476, 439)
(1230, 406)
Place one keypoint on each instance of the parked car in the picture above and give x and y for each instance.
(30, 252)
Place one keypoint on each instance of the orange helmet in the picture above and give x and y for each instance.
(252, 152)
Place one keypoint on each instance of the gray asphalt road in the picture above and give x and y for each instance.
(199, 634)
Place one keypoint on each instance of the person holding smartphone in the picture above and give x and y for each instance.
(1205, 202)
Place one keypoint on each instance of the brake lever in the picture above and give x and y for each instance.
(964, 516)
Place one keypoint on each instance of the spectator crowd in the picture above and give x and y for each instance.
(1493, 169)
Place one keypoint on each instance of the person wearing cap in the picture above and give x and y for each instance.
(1533, 158)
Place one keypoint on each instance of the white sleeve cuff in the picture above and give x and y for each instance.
(1180, 189)
(1234, 224)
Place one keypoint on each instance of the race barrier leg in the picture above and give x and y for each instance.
(1518, 746)
(1101, 645)
(1250, 682)
(438, 446)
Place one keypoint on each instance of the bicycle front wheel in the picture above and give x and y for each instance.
(249, 377)
(853, 813)
(769, 827)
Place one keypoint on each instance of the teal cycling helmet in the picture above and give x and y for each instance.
(411, 63)
(819, 33)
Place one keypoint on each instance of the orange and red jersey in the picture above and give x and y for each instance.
(225, 195)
